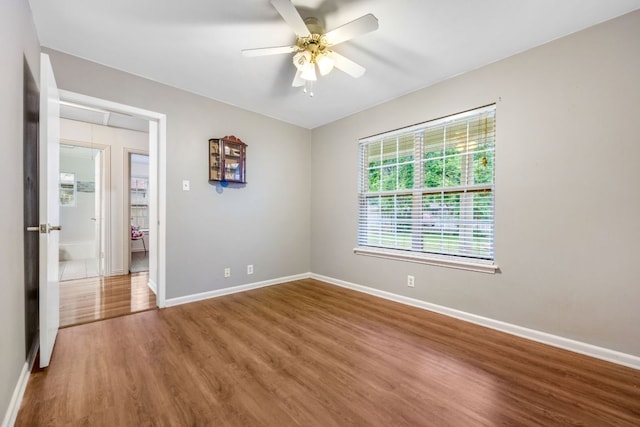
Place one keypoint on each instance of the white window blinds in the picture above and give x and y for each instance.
(429, 189)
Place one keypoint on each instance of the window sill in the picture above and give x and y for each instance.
(441, 261)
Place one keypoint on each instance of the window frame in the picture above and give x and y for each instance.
(462, 257)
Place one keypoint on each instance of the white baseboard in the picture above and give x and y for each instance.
(613, 356)
(153, 286)
(18, 393)
(232, 290)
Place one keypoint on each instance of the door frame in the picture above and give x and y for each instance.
(127, 205)
(157, 181)
(106, 201)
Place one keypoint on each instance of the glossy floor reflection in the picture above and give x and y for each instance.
(96, 298)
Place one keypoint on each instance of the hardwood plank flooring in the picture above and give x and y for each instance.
(96, 298)
(307, 353)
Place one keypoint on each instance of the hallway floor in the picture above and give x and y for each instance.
(139, 262)
(77, 269)
(97, 298)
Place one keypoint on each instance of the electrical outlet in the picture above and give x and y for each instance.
(250, 269)
(227, 272)
(411, 281)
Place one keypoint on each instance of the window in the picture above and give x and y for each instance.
(427, 192)
(67, 189)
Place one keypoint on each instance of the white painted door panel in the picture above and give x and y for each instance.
(49, 165)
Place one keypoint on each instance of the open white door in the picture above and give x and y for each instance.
(49, 165)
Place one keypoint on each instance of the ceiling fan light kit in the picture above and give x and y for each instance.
(312, 47)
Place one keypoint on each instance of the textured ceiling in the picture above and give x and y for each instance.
(195, 44)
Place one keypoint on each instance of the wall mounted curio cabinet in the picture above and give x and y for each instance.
(227, 160)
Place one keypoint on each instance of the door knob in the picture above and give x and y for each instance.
(45, 228)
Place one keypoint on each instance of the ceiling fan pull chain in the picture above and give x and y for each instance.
(308, 88)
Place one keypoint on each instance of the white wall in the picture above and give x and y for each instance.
(118, 140)
(265, 223)
(567, 198)
(18, 40)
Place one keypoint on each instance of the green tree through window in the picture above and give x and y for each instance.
(429, 188)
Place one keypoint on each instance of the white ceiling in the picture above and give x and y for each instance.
(195, 44)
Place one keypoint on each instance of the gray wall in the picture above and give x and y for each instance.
(17, 40)
(265, 224)
(567, 197)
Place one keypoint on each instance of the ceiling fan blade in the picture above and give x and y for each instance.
(291, 16)
(346, 65)
(264, 51)
(364, 24)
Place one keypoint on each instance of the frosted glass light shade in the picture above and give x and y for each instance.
(301, 60)
(309, 72)
(325, 65)
(297, 80)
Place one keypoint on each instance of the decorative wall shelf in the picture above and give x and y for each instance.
(227, 160)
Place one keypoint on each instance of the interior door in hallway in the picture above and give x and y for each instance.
(49, 175)
(81, 213)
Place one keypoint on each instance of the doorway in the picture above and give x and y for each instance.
(138, 211)
(82, 213)
(155, 240)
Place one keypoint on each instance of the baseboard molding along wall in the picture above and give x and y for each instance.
(613, 356)
(18, 392)
(234, 289)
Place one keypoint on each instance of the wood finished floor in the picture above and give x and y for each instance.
(97, 298)
(310, 354)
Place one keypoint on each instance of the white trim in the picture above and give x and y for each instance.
(21, 386)
(613, 356)
(153, 286)
(162, 210)
(441, 261)
(160, 159)
(233, 290)
(91, 101)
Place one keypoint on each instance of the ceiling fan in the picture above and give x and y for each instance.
(313, 46)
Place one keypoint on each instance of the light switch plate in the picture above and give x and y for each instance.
(186, 186)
